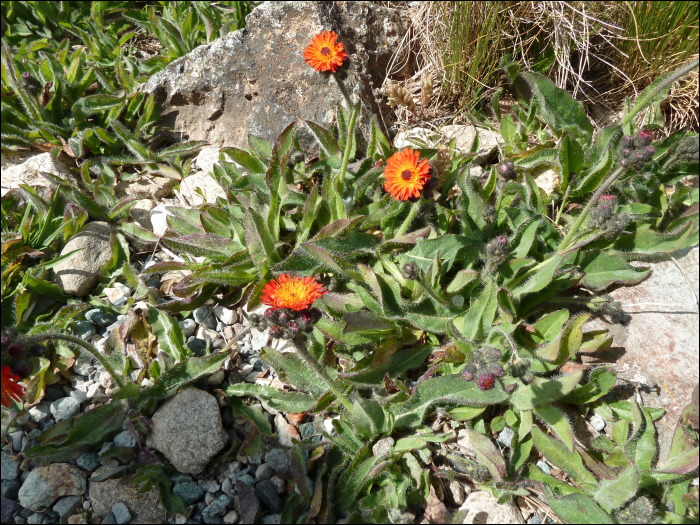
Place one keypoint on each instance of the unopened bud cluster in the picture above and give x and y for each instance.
(489, 214)
(287, 324)
(496, 252)
(636, 151)
(604, 218)
(507, 170)
(639, 510)
(17, 354)
(485, 367)
(605, 305)
(688, 149)
(410, 271)
(30, 83)
(521, 368)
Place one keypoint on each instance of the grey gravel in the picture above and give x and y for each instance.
(9, 488)
(65, 407)
(247, 479)
(597, 422)
(40, 412)
(100, 318)
(198, 346)
(218, 506)
(188, 326)
(124, 439)
(544, 467)
(201, 313)
(505, 437)
(66, 507)
(16, 438)
(189, 492)
(267, 494)
(121, 513)
(9, 467)
(88, 461)
(279, 460)
(84, 329)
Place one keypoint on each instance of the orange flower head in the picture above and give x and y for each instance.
(323, 54)
(296, 293)
(10, 389)
(405, 175)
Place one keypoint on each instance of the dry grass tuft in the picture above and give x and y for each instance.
(601, 52)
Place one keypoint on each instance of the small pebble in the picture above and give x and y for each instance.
(125, 439)
(84, 329)
(544, 467)
(231, 517)
(100, 318)
(201, 313)
(188, 326)
(226, 315)
(65, 407)
(597, 422)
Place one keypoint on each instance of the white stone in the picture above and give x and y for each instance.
(231, 517)
(548, 181)
(115, 293)
(415, 138)
(226, 315)
(464, 136)
(203, 333)
(141, 212)
(158, 219)
(207, 157)
(92, 391)
(482, 507)
(141, 307)
(28, 173)
(204, 182)
(285, 432)
(597, 422)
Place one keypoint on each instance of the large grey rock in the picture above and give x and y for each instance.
(658, 346)
(80, 273)
(143, 507)
(484, 508)
(235, 86)
(65, 408)
(188, 431)
(28, 172)
(45, 484)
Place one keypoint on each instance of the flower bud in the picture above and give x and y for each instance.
(507, 170)
(410, 271)
(468, 373)
(293, 328)
(643, 138)
(496, 369)
(528, 377)
(624, 163)
(316, 314)
(15, 350)
(648, 152)
(628, 141)
(284, 318)
(489, 214)
(625, 152)
(486, 381)
(299, 339)
(276, 332)
(271, 315)
(502, 241)
(37, 350)
(22, 370)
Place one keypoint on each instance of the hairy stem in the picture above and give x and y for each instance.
(94, 352)
(409, 219)
(603, 188)
(563, 203)
(318, 368)
(344, 166)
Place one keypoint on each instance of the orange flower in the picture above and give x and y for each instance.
(405, 176)
(296, 293)
(323, 54)
(10, 389)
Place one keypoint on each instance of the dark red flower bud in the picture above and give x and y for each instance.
(496, 369)
(37, 350)
(276, 332)
(283, 318)
(316, 315)
(22, 370)
(649, 152)
(625, 152)
(486, 381)
(628, 141)
(502, 241)
(643, 138)
(15, 350)
(507, 170)
(293, 328)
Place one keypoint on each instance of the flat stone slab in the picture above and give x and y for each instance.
(657, 348)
